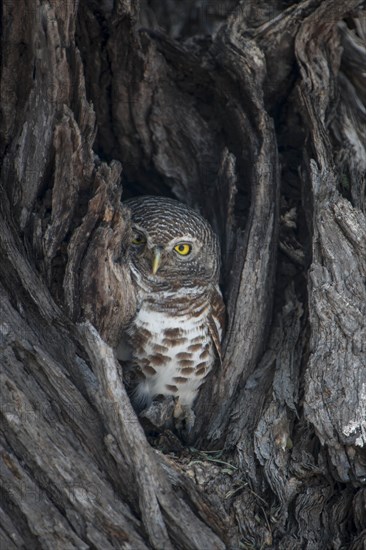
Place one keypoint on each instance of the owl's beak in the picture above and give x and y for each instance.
(156, 260)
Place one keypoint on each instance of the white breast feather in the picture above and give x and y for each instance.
(192, 327)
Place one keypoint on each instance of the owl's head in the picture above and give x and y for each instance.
(172, 245)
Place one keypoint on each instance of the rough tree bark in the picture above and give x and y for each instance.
(254, 113)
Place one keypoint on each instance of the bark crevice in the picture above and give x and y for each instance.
(253, 115)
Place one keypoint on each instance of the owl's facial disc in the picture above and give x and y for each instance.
(189, 251)
(161, 253)
(154, 258)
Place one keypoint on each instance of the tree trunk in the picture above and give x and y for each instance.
(254, 113)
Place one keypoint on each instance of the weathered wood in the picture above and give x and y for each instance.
(260, 125)
(159, 506)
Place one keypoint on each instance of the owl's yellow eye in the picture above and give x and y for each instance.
(138, 239)
(183, 249)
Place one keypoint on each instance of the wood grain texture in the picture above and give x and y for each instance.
(253, 113)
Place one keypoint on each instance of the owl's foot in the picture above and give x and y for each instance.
(159, 415)
(184, 417)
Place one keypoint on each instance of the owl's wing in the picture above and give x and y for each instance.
(216, 320)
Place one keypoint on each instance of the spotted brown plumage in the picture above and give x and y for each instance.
(175, 336)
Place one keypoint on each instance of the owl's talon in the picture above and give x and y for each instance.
(159, 413)
(184, 417)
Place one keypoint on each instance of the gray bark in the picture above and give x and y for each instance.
(253, 113)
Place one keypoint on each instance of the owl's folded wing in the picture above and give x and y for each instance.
(216, 320)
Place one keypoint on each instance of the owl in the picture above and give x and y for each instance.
(175, 336)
